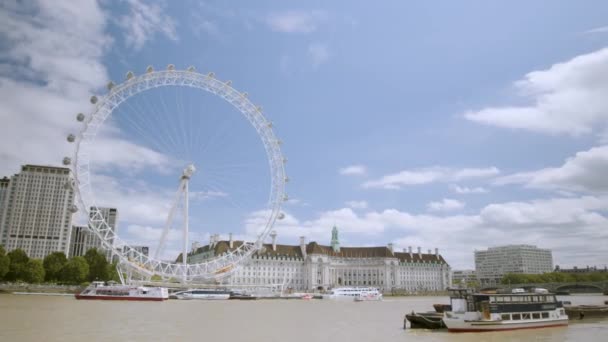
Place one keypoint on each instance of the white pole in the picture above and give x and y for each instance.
(185, 253)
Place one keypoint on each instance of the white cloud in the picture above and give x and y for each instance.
(463, 190)
(318, 53)
(585, 172)
(150, 236)
(568, 98)
(357, 204)
(295, 21)
(52, 65)
(602, 29)
(429, 175)
(574, 228)
(206, 195)
(144, 21)
(445, 204)
(353, 170)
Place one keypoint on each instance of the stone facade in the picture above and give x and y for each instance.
(309, 266)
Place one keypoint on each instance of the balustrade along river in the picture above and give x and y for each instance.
(62, 318)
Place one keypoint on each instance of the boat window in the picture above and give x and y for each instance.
(536, 315)
(505, 317)
(545, 314)
(525, 316)
(516, 317)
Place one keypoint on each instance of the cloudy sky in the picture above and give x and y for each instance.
(456, 126)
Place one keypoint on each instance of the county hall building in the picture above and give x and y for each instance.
(310, 266)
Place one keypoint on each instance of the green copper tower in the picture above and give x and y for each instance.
(335, 242)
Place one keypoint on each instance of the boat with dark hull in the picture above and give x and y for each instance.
(425, 320)
(441, 308)
(586, 311)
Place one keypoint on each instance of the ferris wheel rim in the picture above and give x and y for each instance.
(219, 266)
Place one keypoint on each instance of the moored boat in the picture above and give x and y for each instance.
(441, 308)
(474, 312)
(425, 320)
(586, 311)
(352, 293)
(207, 294)
(369, 296)
(98, 290)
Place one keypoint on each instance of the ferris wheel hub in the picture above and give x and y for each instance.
(188, 171)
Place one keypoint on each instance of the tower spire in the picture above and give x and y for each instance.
(335, 242)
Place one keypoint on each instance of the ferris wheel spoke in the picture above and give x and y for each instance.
(146, 126)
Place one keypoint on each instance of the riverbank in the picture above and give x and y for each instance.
(7, 288)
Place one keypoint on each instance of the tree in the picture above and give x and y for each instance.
(75, 271)
(5, 263)
(512, 278)
(98, 265)
(113, 272)
(53, 263)
(34, 271)
(18, 265)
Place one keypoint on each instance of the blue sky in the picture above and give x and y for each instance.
(458, 126)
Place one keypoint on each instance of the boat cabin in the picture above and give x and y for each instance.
(510, 306)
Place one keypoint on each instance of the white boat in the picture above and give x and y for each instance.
(208, 294)
(369, 296)
(354, 293)
(100, 291)
(473, 312)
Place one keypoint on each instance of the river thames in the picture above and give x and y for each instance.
(61, 318)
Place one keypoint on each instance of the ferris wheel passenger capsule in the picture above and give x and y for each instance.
(269, 124)
(286, 179)
(73, 208)
(170, 67)
(258, 108)
(284, 160)
(285, 198)
(80, 117)
(67, 161)
(228, 83)
(211, 75)
(93, 99)
(130, 75)
(281, 216)
(110, 85)
(71, 138)
(244, 94)
(191, 69)
(149, 69)
(279, 142)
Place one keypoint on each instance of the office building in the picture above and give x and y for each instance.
(83, 237)
(492, 264)
(37, 210)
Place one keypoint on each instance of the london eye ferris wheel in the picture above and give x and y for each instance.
(209, 164)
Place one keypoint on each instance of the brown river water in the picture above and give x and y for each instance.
(50, 318)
